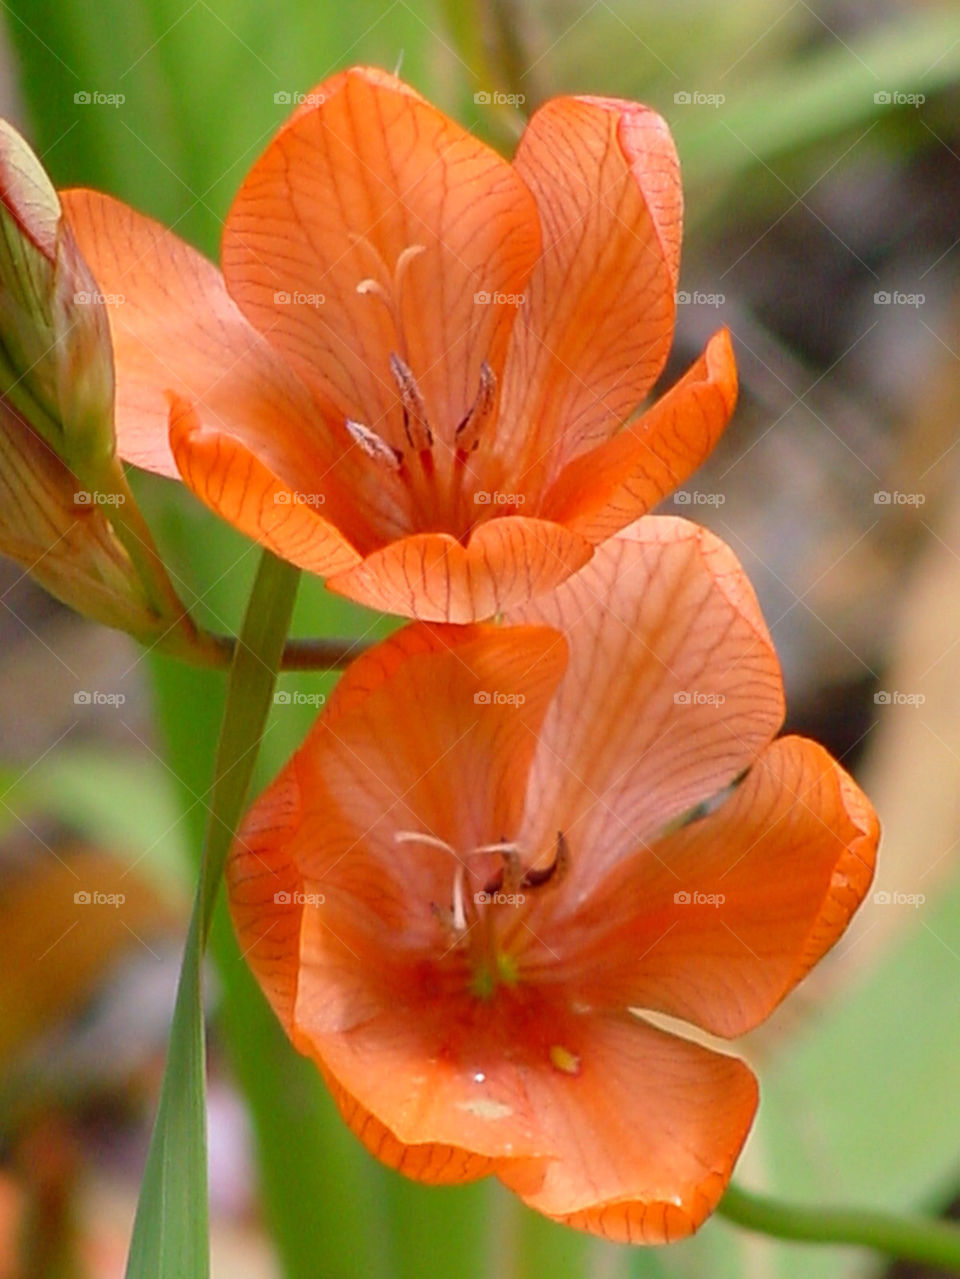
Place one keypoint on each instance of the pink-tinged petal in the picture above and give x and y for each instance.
(608, 488)
(433, 577)
(236, 483)
(644, 1129)
(430, 732)
(717, 922)
(397, 217)
(673, 689)
(594, 332)
(174, 328)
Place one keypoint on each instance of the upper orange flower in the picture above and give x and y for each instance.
(499, 842)
(412, 375)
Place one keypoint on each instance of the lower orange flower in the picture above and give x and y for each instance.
(500, 846)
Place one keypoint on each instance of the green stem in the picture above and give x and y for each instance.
(470, 26)
(931, 1243)
(182, 638)
(171, 1229)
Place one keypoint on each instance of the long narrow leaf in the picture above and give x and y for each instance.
(171, 1230)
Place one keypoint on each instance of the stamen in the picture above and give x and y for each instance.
(467, 434)
(403, 261)
(561, 858)
(459, 908)
(388, 293)
(422, 837)
(373, 445)
(502, 847)
(415, 424)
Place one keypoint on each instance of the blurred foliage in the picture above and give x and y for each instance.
(859, 1103)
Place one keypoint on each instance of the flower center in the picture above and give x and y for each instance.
(433, 466)
(481, 932)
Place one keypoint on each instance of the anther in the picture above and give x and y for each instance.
(375, 287)
(467, 434)
(415, 424)
(561, 858)
(373, 445)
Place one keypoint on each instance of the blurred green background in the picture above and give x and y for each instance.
(820, 146)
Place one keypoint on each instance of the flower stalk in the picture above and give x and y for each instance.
(910, 1238)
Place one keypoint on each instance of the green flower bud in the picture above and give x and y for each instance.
(56, 365)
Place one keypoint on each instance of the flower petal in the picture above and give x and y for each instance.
(404, 744)
(645, 1131)
(223, 472)
(601, 1121)
(725, 916)
(673, 688)
(372, 185)
(426, 1161)
(595, 330)
(264, 889)
(174, 328)
(433, 577)
(441, 1072)
(604, 490)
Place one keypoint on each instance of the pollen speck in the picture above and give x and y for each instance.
(563, 1059)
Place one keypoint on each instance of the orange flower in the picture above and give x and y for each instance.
(499, 846)
(412, 375)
